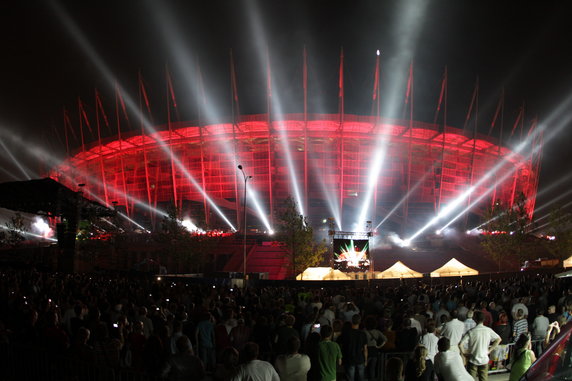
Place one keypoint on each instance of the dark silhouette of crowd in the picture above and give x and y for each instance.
(179, 330)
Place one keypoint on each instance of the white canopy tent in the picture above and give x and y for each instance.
(322, 273)
(398, 271)
(453, 268)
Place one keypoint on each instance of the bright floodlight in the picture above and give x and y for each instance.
(377, 52)
(42, 227)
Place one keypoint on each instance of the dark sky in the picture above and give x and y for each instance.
(521, 46)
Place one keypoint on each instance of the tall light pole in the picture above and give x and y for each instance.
(244, 226)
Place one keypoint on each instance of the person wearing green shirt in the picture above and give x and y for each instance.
(524, 357)
(329, 355)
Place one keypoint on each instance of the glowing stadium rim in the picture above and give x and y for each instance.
(331, 156)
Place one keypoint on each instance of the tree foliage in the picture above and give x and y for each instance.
(13, 235)
(506, 229)
(559, 226)
(191, 251)
(295, 231)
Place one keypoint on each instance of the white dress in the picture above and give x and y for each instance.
(449, 365)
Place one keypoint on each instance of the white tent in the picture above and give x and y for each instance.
(322, 273)
(453, 268)
(567, 262)
(398, 271)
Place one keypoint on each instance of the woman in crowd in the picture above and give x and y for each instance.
(523, 357)
(502, 327)
(418, 367)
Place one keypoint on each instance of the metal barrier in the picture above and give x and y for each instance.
(494, 367)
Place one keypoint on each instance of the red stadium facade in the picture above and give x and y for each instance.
(328, 156)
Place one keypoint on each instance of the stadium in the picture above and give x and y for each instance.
(324, 161)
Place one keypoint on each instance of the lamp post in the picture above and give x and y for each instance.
(244, 226)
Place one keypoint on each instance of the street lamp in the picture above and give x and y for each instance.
(244, 226)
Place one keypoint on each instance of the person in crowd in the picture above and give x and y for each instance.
(519, 305)
(500, 354)
(177, 332)
(136, 344)
(337, 327)
(183, 365)
(329, 355)
(469, 322)
(390, 335)
(419, 368)
(350, 309)
(312, 349)
(293, 366)
(539, 329)
(553, 330)
(154, 355)
(523, 357)
(488, 322)
(479, 341)
(442, 312)
(429, 340)
(354, 350)
(453, 330)
(284, 333)
(204, 336)
(106, 350)
(147, 323)
(394, 369)
(375, 341)
(240, 335)
(54, 337)
(262, 335)
(520, 324)
(407, 337)
(227, 369)
(254, 369)
(462, 310)
(449, 364)
(552, 315)
(80, 349)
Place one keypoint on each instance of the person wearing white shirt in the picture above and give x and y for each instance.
(449, 364)
(519, 306)
(429, 340)
(469, 322)
(479, 341)
(293, 366)
(254, 369)
(453, 330)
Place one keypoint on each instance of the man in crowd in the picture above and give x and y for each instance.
(329, 355)
(453, 330)
(354, 350)
(254, 369)
(479, 342)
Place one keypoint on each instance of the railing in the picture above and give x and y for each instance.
(493, 367)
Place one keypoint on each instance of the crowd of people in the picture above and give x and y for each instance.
(175, 329)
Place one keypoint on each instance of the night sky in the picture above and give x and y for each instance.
(522, 47)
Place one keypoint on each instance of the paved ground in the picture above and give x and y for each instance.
(499, 377)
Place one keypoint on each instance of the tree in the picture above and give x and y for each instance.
(189, 250)
(560, 227)
(506, 231)
(295, 231)
(15, 228)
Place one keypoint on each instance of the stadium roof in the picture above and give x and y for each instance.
(48, 197)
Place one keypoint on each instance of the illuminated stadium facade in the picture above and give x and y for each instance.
(329, 157)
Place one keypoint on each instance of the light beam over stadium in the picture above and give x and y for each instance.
(86, 46)
(409, 23)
